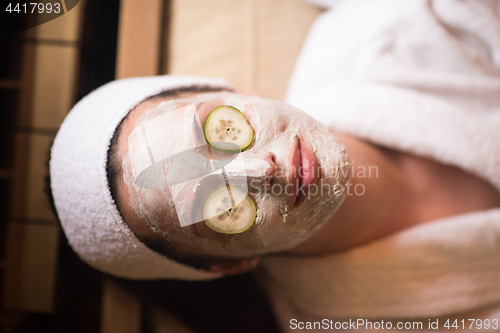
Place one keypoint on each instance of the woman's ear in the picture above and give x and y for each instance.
(236, 267)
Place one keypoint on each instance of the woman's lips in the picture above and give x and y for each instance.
(307, 165)
(294, 162)
(302, 170)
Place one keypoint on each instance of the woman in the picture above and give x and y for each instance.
(406, 101)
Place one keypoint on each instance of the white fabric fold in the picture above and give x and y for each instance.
(446, 266)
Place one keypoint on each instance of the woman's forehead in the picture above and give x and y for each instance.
(134, 117)
(148, 104)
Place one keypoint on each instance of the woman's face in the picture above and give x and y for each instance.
(294, 170)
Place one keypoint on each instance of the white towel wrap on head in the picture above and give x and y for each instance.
(88, 214)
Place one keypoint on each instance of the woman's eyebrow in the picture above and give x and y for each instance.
(193, 229)
(198, 124)
(147, 144)
(198, 106)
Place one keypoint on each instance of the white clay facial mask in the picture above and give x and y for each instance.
(180, 167)
(292, 168)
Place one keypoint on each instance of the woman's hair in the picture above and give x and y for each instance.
(114, 169)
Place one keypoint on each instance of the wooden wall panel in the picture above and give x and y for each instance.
(163, 322)
(217, 39)
(64, 28)
(139, 34)
(30, 267)
(46, 89)
(33, 202)
(120, 309)
(53, 85)
(252, 43)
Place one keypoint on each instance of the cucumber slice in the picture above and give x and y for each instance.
(226, 124)
(221, 216)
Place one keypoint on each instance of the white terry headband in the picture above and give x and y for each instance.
(89, 217)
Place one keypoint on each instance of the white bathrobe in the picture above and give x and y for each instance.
(421, 77)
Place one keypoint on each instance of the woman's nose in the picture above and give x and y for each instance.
(261, 167)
